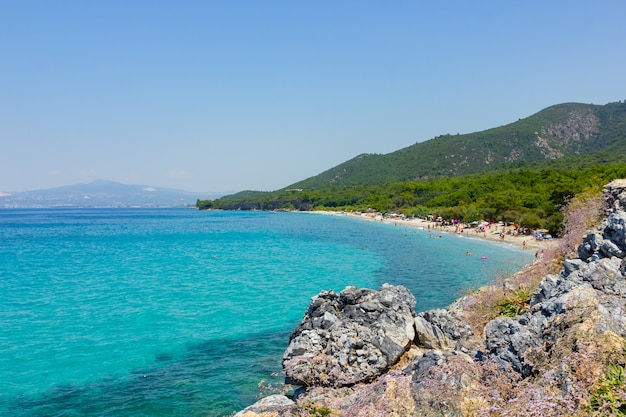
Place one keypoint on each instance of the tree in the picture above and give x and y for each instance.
(204, 204)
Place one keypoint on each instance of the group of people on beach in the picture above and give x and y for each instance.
(522, 237)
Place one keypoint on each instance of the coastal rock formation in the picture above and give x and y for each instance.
(269, 405)
(350, 337)
(441, 329)
(589, 291)
(366, 353)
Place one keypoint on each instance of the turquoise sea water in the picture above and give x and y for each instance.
(174, 312)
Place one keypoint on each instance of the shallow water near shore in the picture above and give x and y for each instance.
(174, 312)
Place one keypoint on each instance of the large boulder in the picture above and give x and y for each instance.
(271, 406)
(615, 233)
(591, 244)
(614, 225)
(507, 340)
(350, 337)
(614, 194)
(441, 329)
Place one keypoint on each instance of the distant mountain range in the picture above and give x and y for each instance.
(103, 193)
(557, 135)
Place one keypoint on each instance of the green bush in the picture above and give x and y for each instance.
(515, 304)
(608, 397)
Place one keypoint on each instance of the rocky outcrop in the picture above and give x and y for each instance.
(350, 337)
(589, 290)
(441, 329)
(579, 127)
(270, 405)
(363, 352)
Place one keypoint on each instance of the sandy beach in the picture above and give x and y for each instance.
(492, 233)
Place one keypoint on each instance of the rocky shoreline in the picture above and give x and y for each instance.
(362, 352)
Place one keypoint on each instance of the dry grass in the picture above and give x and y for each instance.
(581, 214)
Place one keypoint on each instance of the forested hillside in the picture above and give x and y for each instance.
(531, 198)
(520, 173)
(565, 130)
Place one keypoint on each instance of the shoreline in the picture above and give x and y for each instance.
(492, 233)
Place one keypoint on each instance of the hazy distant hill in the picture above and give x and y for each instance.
(597, 132)
(103, 194)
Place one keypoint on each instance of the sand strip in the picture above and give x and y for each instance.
(492, 233)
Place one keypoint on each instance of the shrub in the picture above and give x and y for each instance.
(609, 396)
(314, 410)
(515, 304)
(530, 220)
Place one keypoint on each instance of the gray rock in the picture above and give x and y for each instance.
(605, 276)
(591, 244)
(614, 195)
(547, 288)
(350, 337)
(506, 341)
(609, 249)
(571, 265)
(273, 403)
(420, 367)
(440, 329)
(615, 229)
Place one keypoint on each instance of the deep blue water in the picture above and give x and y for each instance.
(174, 312)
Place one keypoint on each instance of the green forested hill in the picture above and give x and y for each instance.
(591, 133)
(523, 173)
(531, 197)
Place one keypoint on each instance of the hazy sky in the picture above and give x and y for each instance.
(232, 95)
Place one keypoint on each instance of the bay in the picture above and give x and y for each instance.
(181, 313)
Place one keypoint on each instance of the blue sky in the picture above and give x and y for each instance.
(233, 95)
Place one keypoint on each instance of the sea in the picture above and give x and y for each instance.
(179, 312)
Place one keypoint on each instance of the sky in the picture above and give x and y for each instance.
(222, 96)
